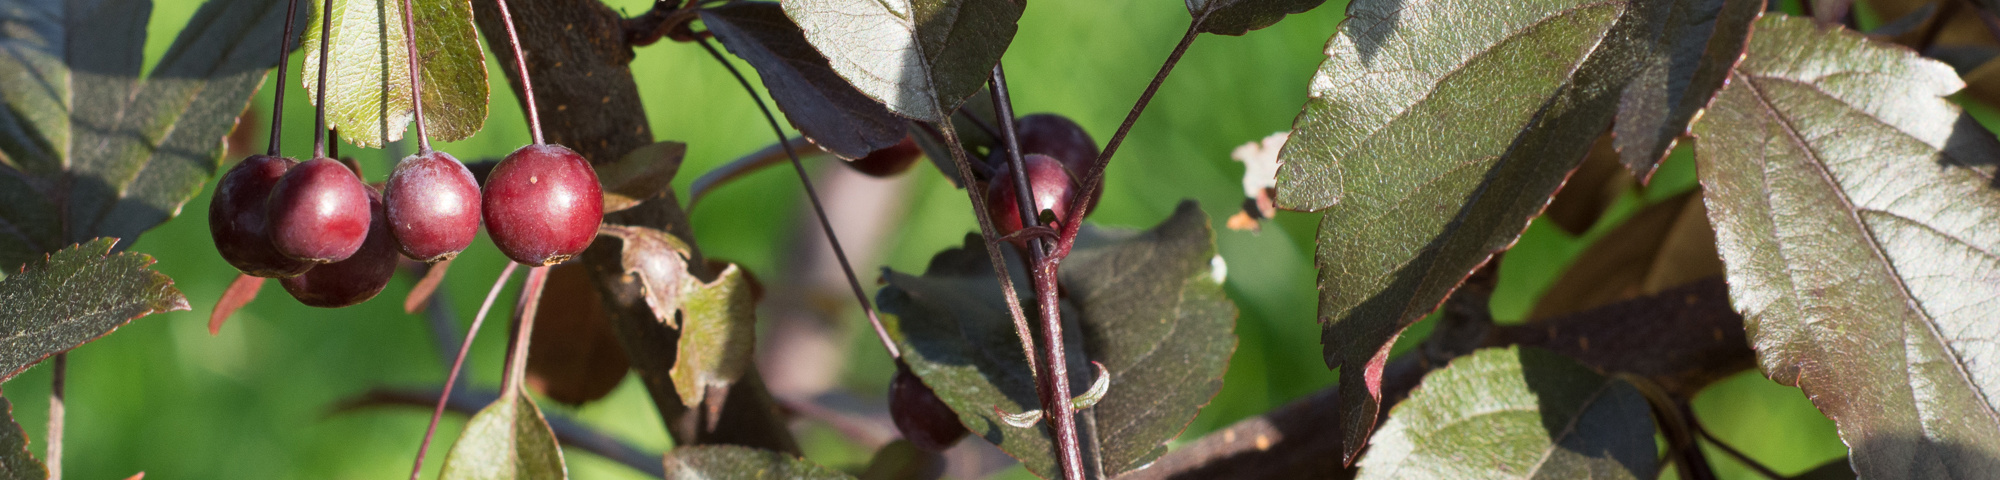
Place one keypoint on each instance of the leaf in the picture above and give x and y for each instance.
(1703, 41)
(88, 150)
(1237, 17)
(920, 58)
(81, 293)
(507, 440)
(658, 260)
(1433, 133)
(730, 462)
(1859, 244)
(240, 293)
(718, 334)
(1590, 189)
(1516, 413)
(824, 107)
(902, 460)
(368, 90)
(645, 173)
(574, 356)
(15, 461)
(1666, 244)
(1141, 303)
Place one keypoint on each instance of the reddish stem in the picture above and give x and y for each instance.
(521, 66)
(278, 98)
(524, 330)
(416, 82)
(458, 364)
(319, 107)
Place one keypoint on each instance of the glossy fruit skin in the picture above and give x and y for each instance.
(924, 419)
(889, 161)
(319, 212)
(1057, 136)
(433, 204)
(1051, 182)
(237, 220)
(542, 204)
(360, 276)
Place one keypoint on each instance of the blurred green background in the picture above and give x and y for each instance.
(164, 397)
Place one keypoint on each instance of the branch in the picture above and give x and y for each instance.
(1683, 339)
(469, 402)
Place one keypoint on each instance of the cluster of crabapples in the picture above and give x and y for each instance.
(1055, 150)
(332, 240)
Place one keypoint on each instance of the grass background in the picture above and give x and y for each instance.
(164, 397)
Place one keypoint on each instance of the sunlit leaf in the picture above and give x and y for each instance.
(1703, 40)
(507, 440)
(15, 461)
(1236, 17)
(921, 58)
(730, 462)
(1860, 243)
(368, 91)
(81, 293)
(89, 150)
(1434, 131)
(718, 333)
(824, 107)
(1145, 304)
(1516, 413)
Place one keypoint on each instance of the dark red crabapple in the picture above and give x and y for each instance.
(360, 276)
(1051, 182)
(1057, 136)
(433, 206)
(542, 204)
(924, 419)
(237, 221)
(319, 212)
(889, 161)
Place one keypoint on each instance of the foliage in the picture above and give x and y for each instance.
(368, 86)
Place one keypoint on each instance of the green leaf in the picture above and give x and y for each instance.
(81, 293)
(730, 462)
(644, 173)
(1859, 243)
(921, 58)
(1516, 413)
(1433, 133)
(368, 92)
(902, 460)
(1703, 41)
(825, 108)
(88, 150)
(15, 461)
(718, 334)
(1237, 17)
(1144, 304)
(507, 440)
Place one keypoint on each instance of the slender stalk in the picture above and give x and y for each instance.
(521, 66)
(319, 106)
(278, 97)
(1054, 375)
(1094, 179)
(59, 369)
(524, 330)
(1740, 457)
(465, 347)
(826, 226)
(764, 157)
(416, 81)
(986, 234)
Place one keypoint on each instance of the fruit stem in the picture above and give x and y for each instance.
(978, 197)
(278, 97)
(58, 371)
(464, 347)
(1054, 376)
(735, 169)
(1094, 179)
(416, 82)
(524, 330)
(521, 66)
(319, 107)
(826, 226)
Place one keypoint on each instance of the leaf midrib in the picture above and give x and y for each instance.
(1848, 208)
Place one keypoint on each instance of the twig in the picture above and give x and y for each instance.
(569, 432)
(1733, 452)
(59, 369)
(416, 81)
(986, 234)
(319, 107)
(826, 226)
(524, 330)
(278, 97)
(520, 65)
(1094, 179)
(741, 167)
(1945, 12)
(1055, 371)
(444, 396)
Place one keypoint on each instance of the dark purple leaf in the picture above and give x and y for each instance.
(824, 107)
